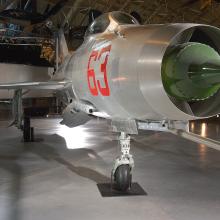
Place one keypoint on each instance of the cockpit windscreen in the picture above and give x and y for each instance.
(123, 18)
(99, 25)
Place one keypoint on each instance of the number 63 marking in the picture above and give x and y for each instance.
(94, 84)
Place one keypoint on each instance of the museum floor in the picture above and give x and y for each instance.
(46, 181)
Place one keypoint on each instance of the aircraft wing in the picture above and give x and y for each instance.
(51, 85)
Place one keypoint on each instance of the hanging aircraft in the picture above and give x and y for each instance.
(154, 77)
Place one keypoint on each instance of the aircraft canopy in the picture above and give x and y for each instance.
(107, 20)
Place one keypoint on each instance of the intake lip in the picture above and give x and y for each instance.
(200, 107)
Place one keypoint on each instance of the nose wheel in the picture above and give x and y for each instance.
(123, 178)
(122, 170)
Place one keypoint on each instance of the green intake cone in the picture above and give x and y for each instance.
(191, 72)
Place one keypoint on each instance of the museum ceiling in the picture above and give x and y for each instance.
(157, 11)
(75, 12)
(22, 17)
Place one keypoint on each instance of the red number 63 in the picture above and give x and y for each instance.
(95, 85)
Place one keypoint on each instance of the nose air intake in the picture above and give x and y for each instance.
(191, 72)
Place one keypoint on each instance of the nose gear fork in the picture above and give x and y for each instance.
(121, 173)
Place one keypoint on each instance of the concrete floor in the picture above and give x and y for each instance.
(45, 180)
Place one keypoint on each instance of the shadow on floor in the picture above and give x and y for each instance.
(14, 154)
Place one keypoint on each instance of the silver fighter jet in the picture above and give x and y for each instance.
(153, 77)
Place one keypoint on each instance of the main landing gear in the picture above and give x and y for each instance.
(28, 131)
(21, 119)
(121, 173)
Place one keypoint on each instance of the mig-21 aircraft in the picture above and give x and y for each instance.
(153, 77)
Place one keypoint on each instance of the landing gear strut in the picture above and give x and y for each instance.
(21, 120)
(121, 173)
(28, 131)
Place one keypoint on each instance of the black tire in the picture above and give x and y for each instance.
(123, 177)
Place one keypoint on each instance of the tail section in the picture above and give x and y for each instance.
(62, 48)
(62, 57)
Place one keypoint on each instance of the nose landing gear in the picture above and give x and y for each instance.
(122, 170)
(121, 178)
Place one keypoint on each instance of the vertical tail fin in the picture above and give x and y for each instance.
(62, 46)
(62, 54)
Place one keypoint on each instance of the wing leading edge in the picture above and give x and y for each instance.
(51, 85)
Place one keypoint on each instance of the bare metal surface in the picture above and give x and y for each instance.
(45, 180)
(17, 73)
(134, 71)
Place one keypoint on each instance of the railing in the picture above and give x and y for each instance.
(28, 39)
